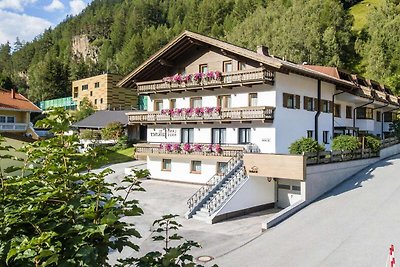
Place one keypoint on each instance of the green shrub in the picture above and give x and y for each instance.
(373, 142)
(345, 142)
(113, 130)
(305, 145)
(90, 135)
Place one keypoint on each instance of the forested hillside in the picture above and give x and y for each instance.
(121, 34)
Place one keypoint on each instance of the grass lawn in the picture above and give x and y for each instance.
(361, 10)
(9, 162)
(118, 156)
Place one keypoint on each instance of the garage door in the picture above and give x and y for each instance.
(288, 193)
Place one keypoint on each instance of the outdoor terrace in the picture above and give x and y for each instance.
(203, 115)
(226, 80)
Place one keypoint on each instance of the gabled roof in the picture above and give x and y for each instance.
(101, 118)
(19, 102)
(186, 41)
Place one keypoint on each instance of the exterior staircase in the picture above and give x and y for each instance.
(209, 198)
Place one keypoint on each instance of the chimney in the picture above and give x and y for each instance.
(262, 50)
(13, 93)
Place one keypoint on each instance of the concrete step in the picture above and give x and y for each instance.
(201, 218)
(202, 213)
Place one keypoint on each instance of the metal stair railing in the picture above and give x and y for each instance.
(215, 180)
(224, 192)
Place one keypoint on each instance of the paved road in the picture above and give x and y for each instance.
(353, 225)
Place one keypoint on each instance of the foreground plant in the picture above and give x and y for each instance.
(53, 213)
(172, 256)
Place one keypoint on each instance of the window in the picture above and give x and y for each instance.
(195, 166)
(96, 85)
(244, 135)
(378, 116)
(196, 102)
(389, 116)
(253, 100)
(172, 103)
(241, 65)
(91, 93)
(325, 137)
(187, 135)
(326, 106)
(337, 110)
(309, 134)
(224, 101)
(308, 103)
(75, 92)
(284, 186)
(227, 66)
(101, 100)
(95, 101)
(349, 112)
(291, 101)
(365, 113)
(158, 105)
(166, 165)
(221, 167)
(2, 119)
(218, 135)
(295, 187)
(203, 68)
(85, 87)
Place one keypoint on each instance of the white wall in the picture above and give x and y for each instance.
(180, 169)
(253, 192)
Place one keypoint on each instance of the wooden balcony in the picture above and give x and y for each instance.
(225, 115)
(13, 127)
(155, 149)
(227, 80)
(393, 99)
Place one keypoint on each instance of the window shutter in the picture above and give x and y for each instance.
(297, 101)
(331, 107)
(305, 102)
(285, 100)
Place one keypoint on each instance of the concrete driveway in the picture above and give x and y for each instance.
(163, 198)
(353, 225)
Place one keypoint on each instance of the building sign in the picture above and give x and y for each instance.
(163, 133)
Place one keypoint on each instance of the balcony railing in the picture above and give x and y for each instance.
(228, 79)
(224, 151)
(15, 127)
(226, 114)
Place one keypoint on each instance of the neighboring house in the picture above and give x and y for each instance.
(209, 101)
(15, 114)
(102, 92)
(65, 102)
(100, 119)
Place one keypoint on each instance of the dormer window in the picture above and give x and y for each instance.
(203, 68)
(241, 65)
(227, 66)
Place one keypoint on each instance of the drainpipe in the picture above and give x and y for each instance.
(318, 110)
(382, 120)
(333, 111)
(354, 114)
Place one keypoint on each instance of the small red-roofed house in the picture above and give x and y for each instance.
(15, 114)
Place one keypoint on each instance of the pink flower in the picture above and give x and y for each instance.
(167, 79)
(187, 78)
(176, 147)
(177, 78)
(208, 109)
(217, 75)
(161, 146)
(189, 111)
(198, 148)
(198, 76)
(179, 111)
(218, 148)
(217, 109)
(199, 111)
(210, 148)
(168, 147)
(187, 147)
(210, 75)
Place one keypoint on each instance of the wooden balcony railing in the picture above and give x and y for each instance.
(226, 114)
(15, 127)
(393, 99)
(151, 149)
(228, 79)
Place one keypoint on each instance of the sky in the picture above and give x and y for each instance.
(26, 19)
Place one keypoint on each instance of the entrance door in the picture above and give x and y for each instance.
(288, 192)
